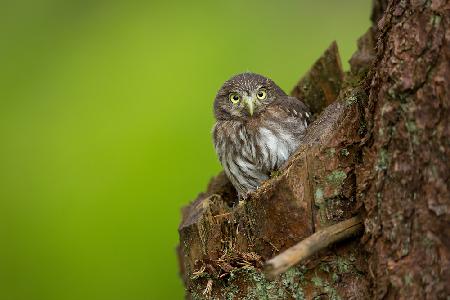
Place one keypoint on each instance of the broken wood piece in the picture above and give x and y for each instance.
(321, 85)
(312, 244)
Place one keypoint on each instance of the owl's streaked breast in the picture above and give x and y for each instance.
(275, 146)
(238, 155)
(248, 154)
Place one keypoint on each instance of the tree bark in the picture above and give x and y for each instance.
(379, 148)
(403, 180)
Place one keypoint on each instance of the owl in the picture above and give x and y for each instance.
(257, 128)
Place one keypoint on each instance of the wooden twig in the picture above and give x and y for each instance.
(312, 244)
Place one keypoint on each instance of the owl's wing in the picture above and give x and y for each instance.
(294, 107)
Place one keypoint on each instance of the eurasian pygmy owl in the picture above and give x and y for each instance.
(257, 128)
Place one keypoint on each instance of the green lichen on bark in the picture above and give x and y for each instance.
(250, 283)
(336, 178)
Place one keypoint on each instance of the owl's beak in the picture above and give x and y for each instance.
(250, 104)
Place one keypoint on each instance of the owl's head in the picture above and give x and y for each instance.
(245, 96)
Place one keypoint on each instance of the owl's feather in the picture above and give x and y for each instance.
(251, 147)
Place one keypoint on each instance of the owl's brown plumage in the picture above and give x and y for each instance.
(258, 127)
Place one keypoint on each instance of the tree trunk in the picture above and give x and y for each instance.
(403, 180)
(379, 148)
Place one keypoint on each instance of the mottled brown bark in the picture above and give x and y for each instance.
(404, 178)
(379, 147)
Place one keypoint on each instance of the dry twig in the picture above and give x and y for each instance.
(312, 244)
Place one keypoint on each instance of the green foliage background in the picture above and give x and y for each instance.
(105, 119)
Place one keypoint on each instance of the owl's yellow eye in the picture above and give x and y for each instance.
(234, 98)
(261, 94)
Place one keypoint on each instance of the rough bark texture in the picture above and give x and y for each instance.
(322, 84)
(379, 147)
(404, 178)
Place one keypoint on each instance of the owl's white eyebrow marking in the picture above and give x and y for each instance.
(295, 112)
(307, 114)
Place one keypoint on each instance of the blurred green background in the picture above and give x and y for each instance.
(105, 119)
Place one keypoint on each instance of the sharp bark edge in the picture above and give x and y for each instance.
(322, 84)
